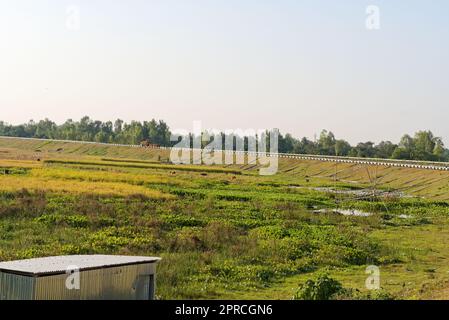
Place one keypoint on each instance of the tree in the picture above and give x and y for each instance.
(400, 154)
(405, 149)
(163, 133)
(286, 144)
(385, 149)
(105, 132)
(133, 133)
(366, 150)
(3, 130)
(342, 148)
(424, 145)
(326, 143)
(84, 128)
(353, 152)
(45, 129)
(439, 152)
(305, 146)
(68, 130)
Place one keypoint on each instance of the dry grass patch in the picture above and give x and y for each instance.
(15, 183)
(98, 176)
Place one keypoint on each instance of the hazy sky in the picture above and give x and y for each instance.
(297, 65)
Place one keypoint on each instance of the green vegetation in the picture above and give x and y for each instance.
(323, 288)
(228, 232)
(423, 146)
(89, 130)
(326, 288)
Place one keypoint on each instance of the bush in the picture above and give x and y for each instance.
(322, 288)
(326, 288)
(179, 221)
(77, 221)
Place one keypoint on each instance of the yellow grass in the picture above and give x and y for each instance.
(17, 183)
(98, 176)
(6, 163)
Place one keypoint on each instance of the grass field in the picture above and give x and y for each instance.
(226, 232)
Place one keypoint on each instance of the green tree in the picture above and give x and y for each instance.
(326, 143)
(365, 150)
(405, 149)
(46, 129)
(424, 145)
(305, 146)
(385, 149)
(286, 144)
(342, 148)
(439, 152)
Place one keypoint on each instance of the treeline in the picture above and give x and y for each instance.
(422, 146)
(87, 129)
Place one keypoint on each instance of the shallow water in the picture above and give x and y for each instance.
(346, 212)
(354, 212)
(359, 193)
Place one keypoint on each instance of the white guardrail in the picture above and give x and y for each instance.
(441, 166)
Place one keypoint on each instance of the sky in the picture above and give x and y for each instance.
(300, 66)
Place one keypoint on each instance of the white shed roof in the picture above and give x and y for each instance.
(60, 264)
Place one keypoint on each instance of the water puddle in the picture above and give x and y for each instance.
(354, 212)
(357, 193)
(345, 212)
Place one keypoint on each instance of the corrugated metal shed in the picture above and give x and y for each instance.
(100, 277)
(59, 264)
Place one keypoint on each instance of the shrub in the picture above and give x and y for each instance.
(111, 239)
(270, 232)
(74, 249)
(48, 219)
(322, 288)
(179, 221)
(77, 221)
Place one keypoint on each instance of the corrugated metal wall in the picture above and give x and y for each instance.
(16, 287)
(131, 282)
(118, 283)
